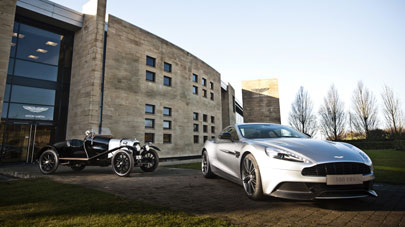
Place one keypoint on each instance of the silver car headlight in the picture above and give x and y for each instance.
(137, 147)
(285, 155)
(147, 147)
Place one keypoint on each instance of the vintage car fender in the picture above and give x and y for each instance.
(44, 149)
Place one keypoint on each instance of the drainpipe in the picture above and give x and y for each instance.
(100, 125)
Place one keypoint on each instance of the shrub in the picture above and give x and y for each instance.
(367, 144)
(399, 145)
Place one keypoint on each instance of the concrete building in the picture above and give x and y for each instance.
(63, 72)
(261, 101)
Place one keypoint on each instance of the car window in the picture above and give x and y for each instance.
(261, 131)
(234, 134)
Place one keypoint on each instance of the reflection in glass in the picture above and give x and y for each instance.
(31, 39)
(14, 39)
(4, 110)
(35, 70)
(10, 66)
(7, 93)
(28, 111)
(33, 95)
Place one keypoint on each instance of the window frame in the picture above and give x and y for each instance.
(152, 73)
(153, 109)
(151, 58)
(167, 64)
(164, 81)
(170, 125)
(170, 111)
(152, 120)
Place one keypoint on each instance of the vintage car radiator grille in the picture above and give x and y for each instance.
(335, 168)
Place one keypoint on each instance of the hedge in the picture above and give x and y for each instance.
(385, 144)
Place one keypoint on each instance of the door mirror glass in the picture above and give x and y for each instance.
(225, 136)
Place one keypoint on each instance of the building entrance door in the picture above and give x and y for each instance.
(20, 141)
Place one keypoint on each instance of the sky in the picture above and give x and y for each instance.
(312, 43)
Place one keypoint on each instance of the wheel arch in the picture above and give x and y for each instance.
(42, 150)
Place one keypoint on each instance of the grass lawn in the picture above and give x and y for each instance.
(389, 165)
(42, 202)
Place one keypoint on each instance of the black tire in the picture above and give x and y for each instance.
(77, 167)
(152, 159)
(205, 166)
(48, 162)
(251, 178)
(122, 163)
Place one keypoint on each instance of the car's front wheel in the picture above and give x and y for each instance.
(205, 166)
(151, 160)
(251, 178)
(122, 163)
(48, 162)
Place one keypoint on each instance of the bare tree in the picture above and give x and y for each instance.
(301, 116)
(365, 109)
(392, 112)
(333, 118)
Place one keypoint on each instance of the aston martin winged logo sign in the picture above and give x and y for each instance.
(35, 109)
(338, 156)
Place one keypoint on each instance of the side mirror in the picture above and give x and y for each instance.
(225, 136)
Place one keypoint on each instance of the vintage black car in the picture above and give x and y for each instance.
(99, 150)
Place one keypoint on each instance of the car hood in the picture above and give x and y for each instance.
(316, 150)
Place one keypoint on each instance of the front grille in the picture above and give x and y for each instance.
(336, 168)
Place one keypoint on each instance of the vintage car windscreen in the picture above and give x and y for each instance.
(264, 131)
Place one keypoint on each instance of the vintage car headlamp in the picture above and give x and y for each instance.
(281, 154)
(137, 147)
(147, 147)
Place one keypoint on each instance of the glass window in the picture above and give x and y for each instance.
(195, 139)
(195, 90)
(35, 70)
(212, 137)
(258, 131)
(204, 93)
(167, 81)
(7, 93)
(149, 137)
(150, 76)
(212, 96)
(205, 117)
(33, 95)
(167, 124)
(14, 39)
(28, 111)
(195, 127)
(212, 85)
(150, 109)
(205, 138)
(167, 111)
(167, 138)
(204, 82)
(150, 61)
(233, 103)
(212, 129)
(167, 67)
(195, 78)
(149, 123)
(205, 128)
(212, 119)
(10, 66)
(195, 116)
(38, 45)
(4, 110)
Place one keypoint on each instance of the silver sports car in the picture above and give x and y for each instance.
(275, 160)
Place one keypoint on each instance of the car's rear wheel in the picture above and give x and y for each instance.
(122, 163)
(205, 166)
(251, 178)
(151, 160)
(48, 162)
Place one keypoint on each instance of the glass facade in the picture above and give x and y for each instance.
(37, 89)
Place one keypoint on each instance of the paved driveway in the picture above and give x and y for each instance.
(187, 190)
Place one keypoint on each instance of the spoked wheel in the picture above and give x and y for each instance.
(78, 166)
(122, 163)
(205, 166)
(251, 178)
(151, 160)
(48, 162)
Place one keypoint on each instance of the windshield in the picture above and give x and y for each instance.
(264, 131)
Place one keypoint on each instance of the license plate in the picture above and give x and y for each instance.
(138, 157)
(344, 179)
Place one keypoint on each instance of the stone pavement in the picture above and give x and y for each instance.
(187, 190)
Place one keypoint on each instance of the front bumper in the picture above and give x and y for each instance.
(310, 191)
(290, 183)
